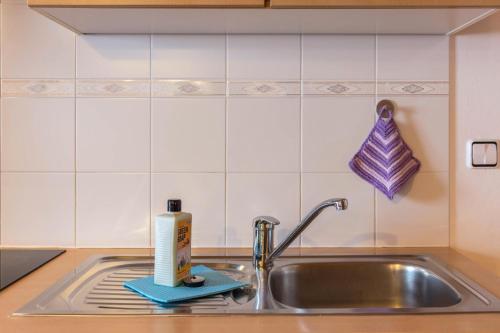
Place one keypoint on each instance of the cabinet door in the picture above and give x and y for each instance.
(382, 3)
(149, 3)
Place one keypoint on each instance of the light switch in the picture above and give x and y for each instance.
(482, 154)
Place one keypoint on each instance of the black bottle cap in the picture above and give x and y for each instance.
(194, 281)
(174, 205)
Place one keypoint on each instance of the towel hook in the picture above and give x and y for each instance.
(385, 109)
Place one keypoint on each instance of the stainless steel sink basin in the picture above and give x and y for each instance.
(296, 285)
(365, 284)
(96, 288)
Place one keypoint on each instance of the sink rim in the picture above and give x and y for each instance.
(476, 299)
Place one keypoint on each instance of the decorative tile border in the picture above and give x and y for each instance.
(112, 88)
(335, 88)
(38, 88)
(413, 88)
(186, 88)
(180, 88)
(264, 88)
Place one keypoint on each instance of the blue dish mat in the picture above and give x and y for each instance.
(215, 283)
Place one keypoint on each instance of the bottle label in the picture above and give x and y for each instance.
(183, 250)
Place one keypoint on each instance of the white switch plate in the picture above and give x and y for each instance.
(482, 153)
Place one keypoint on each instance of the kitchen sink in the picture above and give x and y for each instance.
(369, 284)
(364, 284)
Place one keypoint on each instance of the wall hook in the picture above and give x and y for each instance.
(385, 109)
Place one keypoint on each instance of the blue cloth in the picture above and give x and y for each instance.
(215, 283)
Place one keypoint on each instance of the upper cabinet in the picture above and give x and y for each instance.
(149, 3)
(261, 16)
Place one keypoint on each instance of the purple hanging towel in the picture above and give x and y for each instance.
(385, 160)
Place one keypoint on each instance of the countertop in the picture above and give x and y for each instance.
(24, 290)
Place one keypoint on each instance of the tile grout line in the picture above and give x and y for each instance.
(375, 241)
(450, 147)
(301, 140)
(150, 213)
(75, 236)
(226, 136)
(1, 125)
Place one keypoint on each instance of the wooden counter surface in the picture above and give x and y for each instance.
(24, 290)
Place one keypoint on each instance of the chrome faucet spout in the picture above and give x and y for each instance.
(263, 252)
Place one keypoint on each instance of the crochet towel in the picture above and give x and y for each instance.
(384, 160)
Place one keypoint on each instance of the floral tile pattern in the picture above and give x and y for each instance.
(413, 88)
(38, 88)
(179, 88)
(264, 88)
(172, 88)
(112, 88)
(339, 88)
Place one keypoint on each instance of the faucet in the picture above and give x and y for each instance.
(263, 251)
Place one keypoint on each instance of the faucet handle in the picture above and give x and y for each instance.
(263, 239)
(265, 222)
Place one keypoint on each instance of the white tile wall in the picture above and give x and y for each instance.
(263, 57)
(417, 58)
(263, 134)
(328, 139)
(112, 210)
(38, 134)
(251, 195)
(188, 134)
(112, 134)
(418, 216)
(34, 47)
(237, 126)
(352, 227)
(188, 57)
(103, 56)
(338, 57)
(37, 209)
